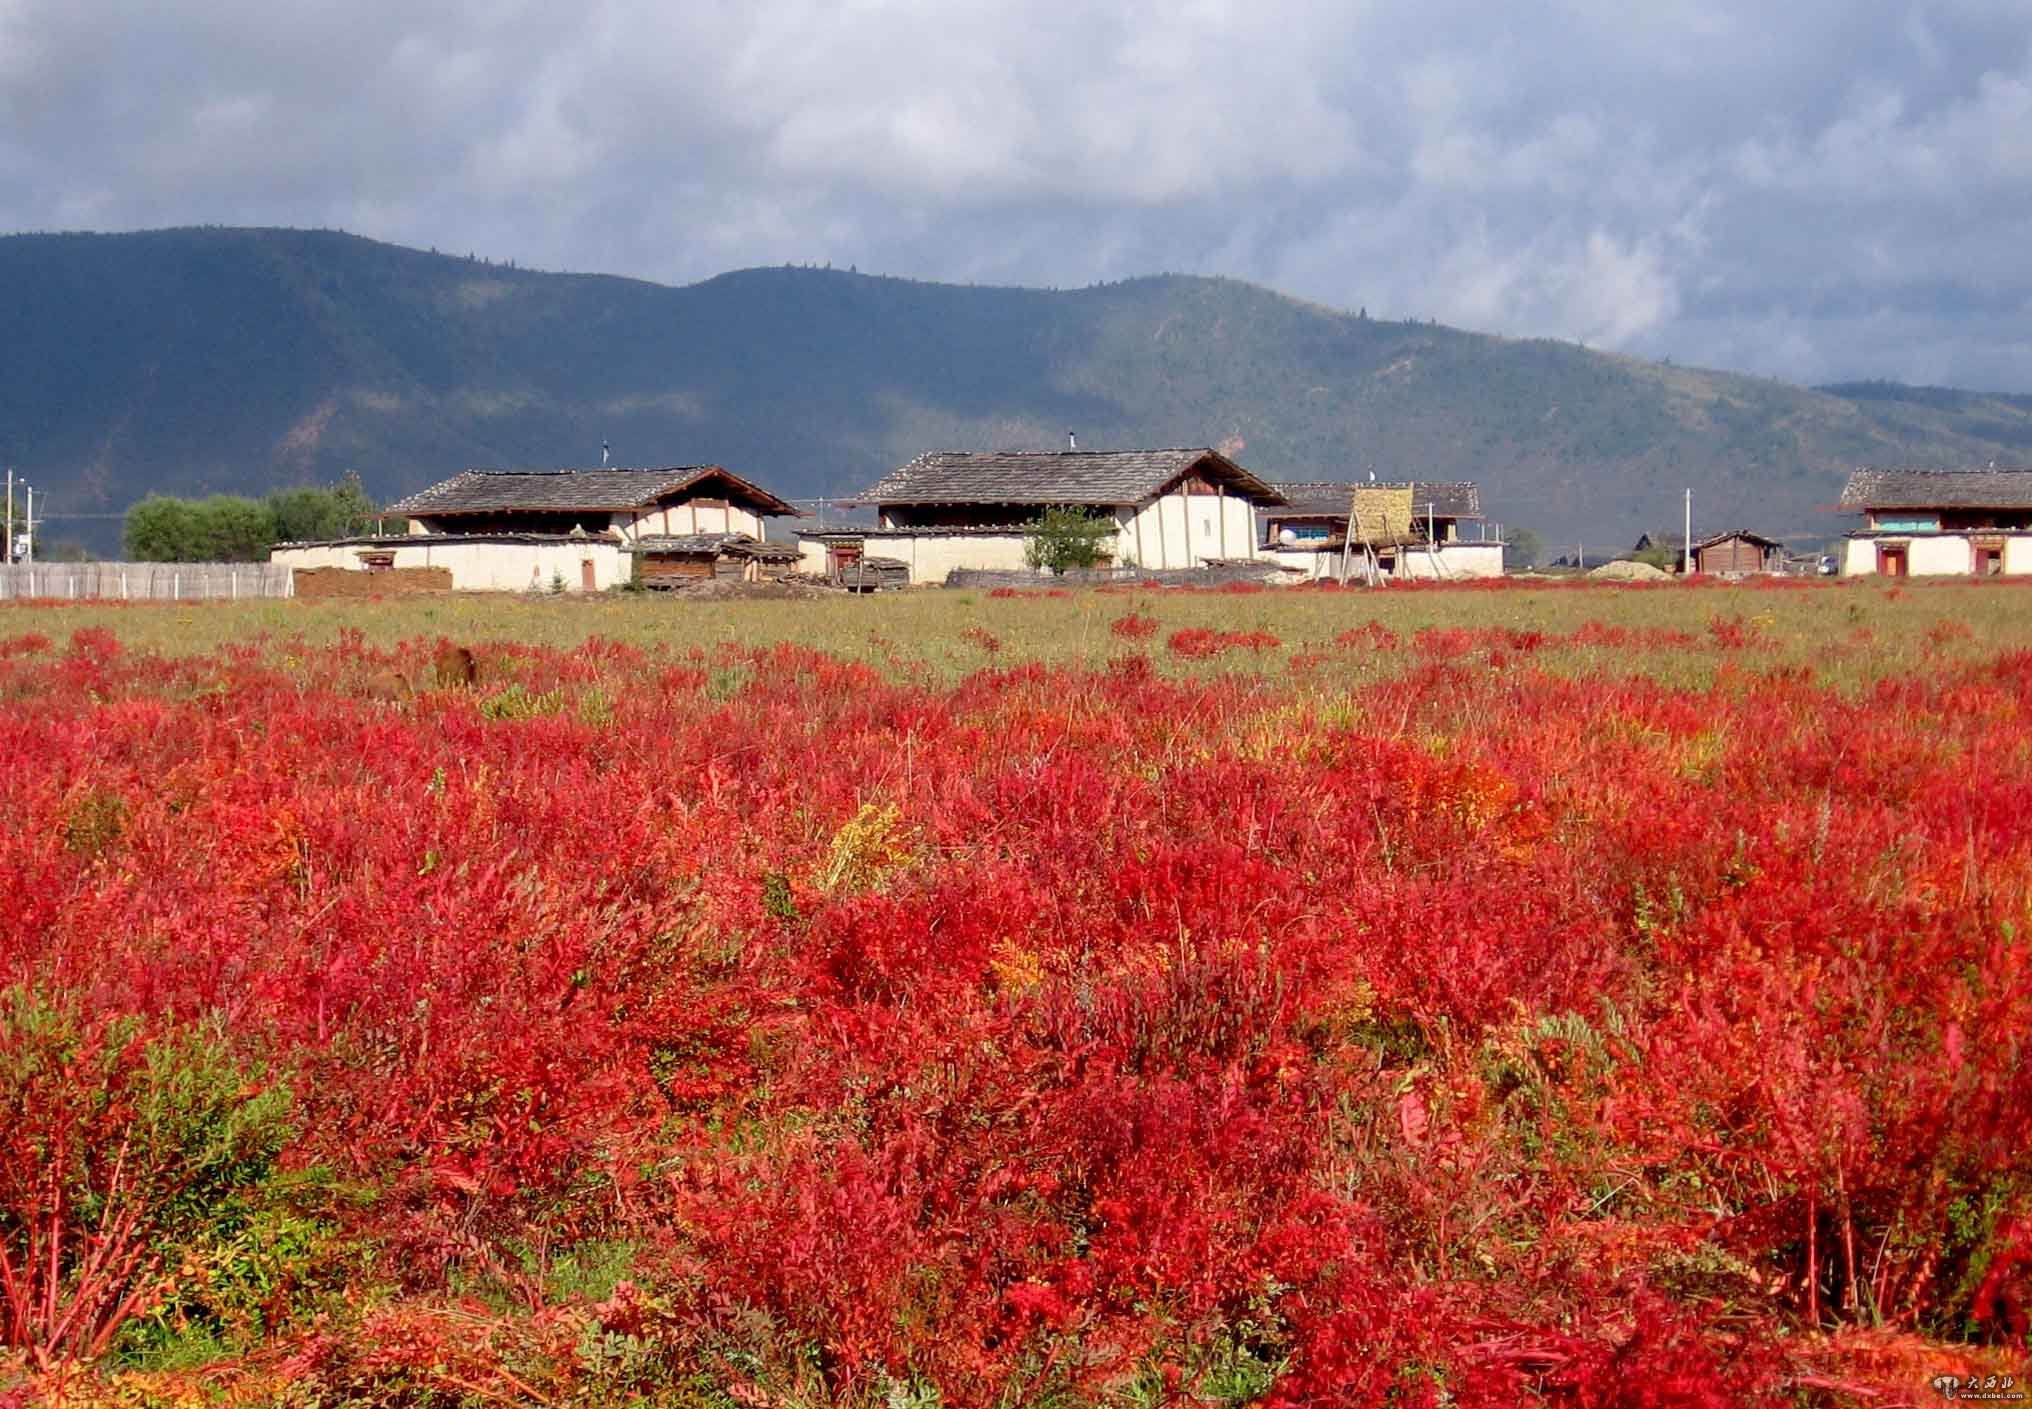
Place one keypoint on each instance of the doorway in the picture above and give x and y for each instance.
(587, 581)
(1891, 560)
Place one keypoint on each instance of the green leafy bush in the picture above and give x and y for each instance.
(135, 1168)
(1067, 538)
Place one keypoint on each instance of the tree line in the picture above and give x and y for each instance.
(232, 528)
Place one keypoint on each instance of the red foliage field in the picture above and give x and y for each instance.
(753, 1027)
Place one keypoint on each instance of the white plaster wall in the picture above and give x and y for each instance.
(1184, 530)
(1178, 533)
(1456, 560)
(485, 567)
(1240, 518)
(315, 557)
(690, 518)
(1943, 556)
(1313, 565)
(930, 557)
(1165, 533)
(813, 557)
(1933, 555)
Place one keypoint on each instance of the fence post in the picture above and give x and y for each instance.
(123, 584)
(176, 586)
(236, 584)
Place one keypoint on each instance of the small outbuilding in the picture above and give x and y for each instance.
(685, 560)
(1738, 553)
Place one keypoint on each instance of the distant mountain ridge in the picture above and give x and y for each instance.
(200, 360)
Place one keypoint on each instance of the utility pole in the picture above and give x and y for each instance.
(30, 559)
(9, 559)
(1686, 543)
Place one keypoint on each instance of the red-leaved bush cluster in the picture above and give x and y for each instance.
(1201, 643)
(754, 1027)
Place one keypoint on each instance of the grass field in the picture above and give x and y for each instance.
(1452, 998)
(1845, 632)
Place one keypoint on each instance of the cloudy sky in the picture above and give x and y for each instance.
(1815, 189)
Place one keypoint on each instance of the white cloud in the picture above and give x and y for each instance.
(1786, 186)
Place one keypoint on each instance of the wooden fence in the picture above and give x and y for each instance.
(144, 582)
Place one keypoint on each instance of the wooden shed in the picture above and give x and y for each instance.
(674, 562)
(1738, 553)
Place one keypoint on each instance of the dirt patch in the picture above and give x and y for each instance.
(350, 582)
(789, 589)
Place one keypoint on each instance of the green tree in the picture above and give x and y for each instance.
(235, 529)
(1067, 537)
(310, 515)
(162, 530)
(1522, 548)
(230, 528)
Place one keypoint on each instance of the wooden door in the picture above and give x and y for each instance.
(586, 577)
(1891, 562)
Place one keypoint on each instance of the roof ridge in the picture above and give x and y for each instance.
(600, 470)
(1040, 454)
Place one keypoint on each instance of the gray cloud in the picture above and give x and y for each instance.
(1817, 190)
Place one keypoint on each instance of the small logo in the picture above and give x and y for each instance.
(1978, 1389)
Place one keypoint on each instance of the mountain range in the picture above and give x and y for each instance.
(193, 361)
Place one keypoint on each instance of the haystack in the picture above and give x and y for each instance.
(1629, 572)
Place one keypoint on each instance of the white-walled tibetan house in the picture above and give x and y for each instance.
(681, 500)
(1180, 508)
(1939, 523)
(569, 530)
(1308, 534)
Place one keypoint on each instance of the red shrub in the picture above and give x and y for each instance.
(1466, 1036)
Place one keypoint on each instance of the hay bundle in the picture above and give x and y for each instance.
(1383, 516)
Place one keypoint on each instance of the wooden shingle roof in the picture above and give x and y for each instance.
(1938, 489)
(1093, 477)
(1761, 540)
(1450, 499)
(739, 545)
(573, 491)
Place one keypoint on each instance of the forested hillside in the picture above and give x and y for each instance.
(207, 360)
